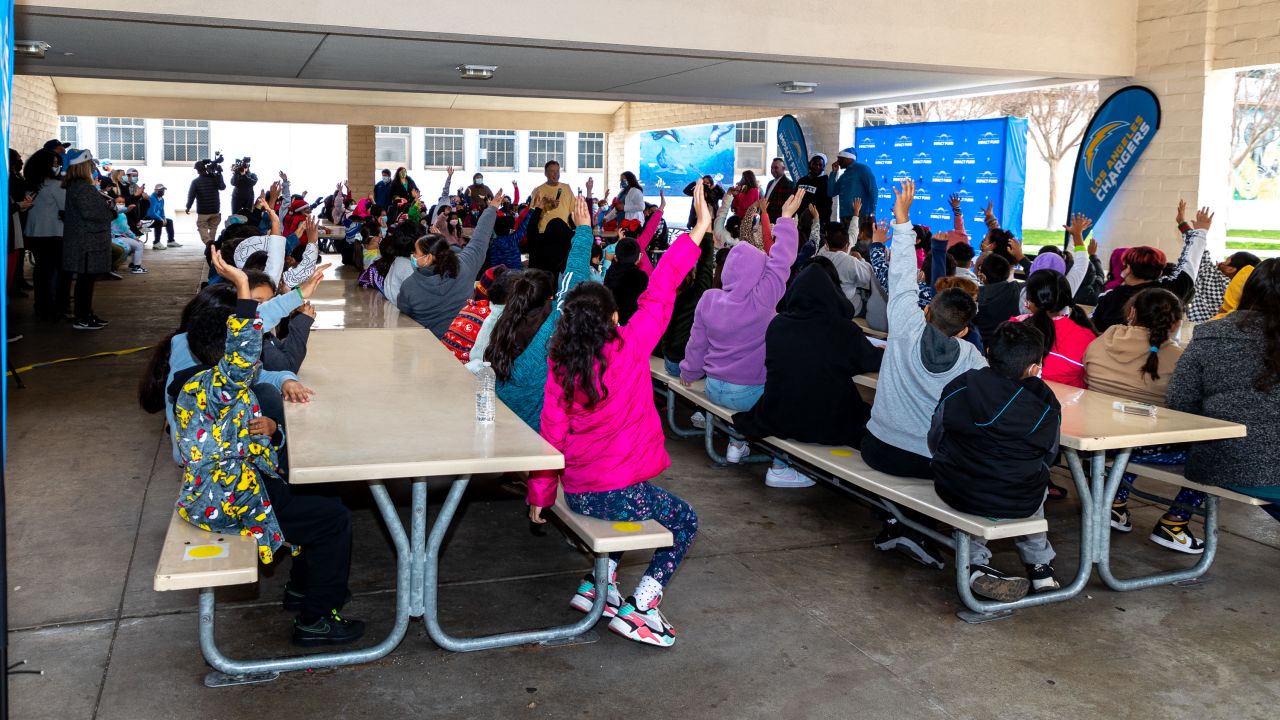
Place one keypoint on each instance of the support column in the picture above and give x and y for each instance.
(360, 160)
(1189, 157)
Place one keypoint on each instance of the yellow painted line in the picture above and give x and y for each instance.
(106, 353)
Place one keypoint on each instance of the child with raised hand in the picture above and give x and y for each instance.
(443, 277)
(994, 436)
(517, 348)
(923, 354)
(1135, 361)
(598, 410)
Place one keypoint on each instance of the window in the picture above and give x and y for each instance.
(876, 116)
(122, 140)
(591, 151)
(69, 129)
(391, 145)
(749, 147)
(751, 132)
(443, 147)
(185, 141)
(497, 149)
(544, 147)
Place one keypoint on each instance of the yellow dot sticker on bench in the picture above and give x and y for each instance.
(205, 552)
(627, 527)
(841, 452)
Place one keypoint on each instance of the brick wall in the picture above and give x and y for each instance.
(35, 113)
(360, 159)
(1246, 33)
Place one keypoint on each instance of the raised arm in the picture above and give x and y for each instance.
(1080, 253)
(722, 236)
(879, 262)
(777, 268)
(471, 257)
(903, 288)
(646, 236)
(577, 267)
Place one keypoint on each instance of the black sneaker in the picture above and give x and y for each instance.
(292, 601)
(330, 630)
(1177, 537)
(87, 325)
(1042, 578)
(99, 320)
(113, 275)
(1120, 521)
(992, 584)
(914, 545)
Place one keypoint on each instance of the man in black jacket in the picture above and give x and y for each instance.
(993, 437)
(814, 186)
(243, 181)
(204, 194)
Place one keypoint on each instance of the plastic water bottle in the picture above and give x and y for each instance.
(486, 395)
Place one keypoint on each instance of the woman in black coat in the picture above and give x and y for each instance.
(812, 351)
(86, 237)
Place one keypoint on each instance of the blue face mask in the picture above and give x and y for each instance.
(382, 231)
(413, 260)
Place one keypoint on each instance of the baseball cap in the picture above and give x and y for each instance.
(56, 143)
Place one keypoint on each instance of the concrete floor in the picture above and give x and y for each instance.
(783, 608)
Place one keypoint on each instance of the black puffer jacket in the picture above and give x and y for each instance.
(204, 194)
(997, 302)
(993, 441)
(812, 351)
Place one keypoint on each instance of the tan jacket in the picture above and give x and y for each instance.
(1113, 364)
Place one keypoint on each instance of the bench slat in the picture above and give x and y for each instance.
(233, 558)
(604, 536)
(1174, 475)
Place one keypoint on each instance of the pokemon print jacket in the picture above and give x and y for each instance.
(223, 465)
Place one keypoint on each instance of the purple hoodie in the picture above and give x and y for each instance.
(727, 340)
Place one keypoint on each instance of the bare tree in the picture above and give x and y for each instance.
(1257, 112)
(1056, 118)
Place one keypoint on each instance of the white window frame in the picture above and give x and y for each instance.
(588, 142)
(394, 138)
(544, 147)
(138, 130)
(444, 144)
(750, 147)
(177, 135)
(69, 129)
(493, 141)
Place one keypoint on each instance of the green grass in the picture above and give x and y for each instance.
(1248, 245)
(1033, 240)
(1256, 234)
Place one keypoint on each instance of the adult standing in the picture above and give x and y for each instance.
(711, 192)
(19, 202)
(243, 181)
(856, 182)
(554, 198)
(86, 235)
(748, 193)
(159, 221)
(43, 231)
(204, 194)
(814, 186)
(478, 196)
(403, 187)
(382, 190)
(779, 189)
(630, 200)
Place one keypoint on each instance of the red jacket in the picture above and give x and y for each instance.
(1065, 363)
(619, 442)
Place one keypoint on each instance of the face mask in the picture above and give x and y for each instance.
(382, 231)
(479, 181)
(159, 193)
(133, 178)
(413, 260)
(119, 208)
(622, 184)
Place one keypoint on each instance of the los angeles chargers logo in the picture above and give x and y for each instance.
(1095, 142)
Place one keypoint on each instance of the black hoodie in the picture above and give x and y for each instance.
(812, 351)
(993, 441)
(997, 302)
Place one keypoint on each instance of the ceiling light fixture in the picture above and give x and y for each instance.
(476, 72)
(792, 87)
(31, 48)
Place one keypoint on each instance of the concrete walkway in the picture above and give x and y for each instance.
(783, 608)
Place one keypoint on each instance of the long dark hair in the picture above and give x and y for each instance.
(399, 244)
(748, 180)
(1051, 294)
(443, 259)
(577, 347)
(42, 165)
(632, 182)
(527, 307)
(216, 301)
(1157, 310)
(1261, 295)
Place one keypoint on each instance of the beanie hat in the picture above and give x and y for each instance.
(848, 153)
(75, 157)
(824, 158)
(1048, 261)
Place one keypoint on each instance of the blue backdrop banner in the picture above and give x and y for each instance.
(671, 159)
(792, 148)
(1116, 137)
(980, 160)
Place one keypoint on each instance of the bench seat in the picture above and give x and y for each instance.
(607, 536)
(193, 559)
(1173, 475)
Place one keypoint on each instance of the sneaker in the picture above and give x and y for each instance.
(330, 630)
(1176, 536)
(87, 325)
(586, 597)
(914, 545)
(15, 337)
(174, 244)
(138, 270)
(292, 601)
(1042, 578)
(736, 452)
(992, 584)
(786, 477)
(699, 420)
(113, 275)
(99, 320)
(1120, 521)
(644, 626)
(156, 245)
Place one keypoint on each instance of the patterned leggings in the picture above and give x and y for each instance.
(644, 501)
(1186, 501)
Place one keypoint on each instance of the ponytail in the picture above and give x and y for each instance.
(1050, 292)
(443, 259)
(152, 388)
(523, 313)
(1157, 310)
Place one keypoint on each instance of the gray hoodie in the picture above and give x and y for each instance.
(433, 299)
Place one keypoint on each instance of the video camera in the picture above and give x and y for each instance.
(210, 167)
(240, 164)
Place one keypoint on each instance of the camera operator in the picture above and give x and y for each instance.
(242, 196)
(204, 193)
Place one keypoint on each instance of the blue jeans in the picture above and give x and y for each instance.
(738, 398)
(672, 367)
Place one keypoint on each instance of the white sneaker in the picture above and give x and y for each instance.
(736, 452)
(786, 477)
(699, 420)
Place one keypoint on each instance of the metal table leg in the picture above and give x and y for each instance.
(236, 672)
(431, 592)
(1172, 576)
(417, 546)
(669, 395)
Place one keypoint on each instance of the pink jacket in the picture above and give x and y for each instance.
(619, 442)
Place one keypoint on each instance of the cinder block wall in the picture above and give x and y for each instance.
(35, 113)
(360, 159)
